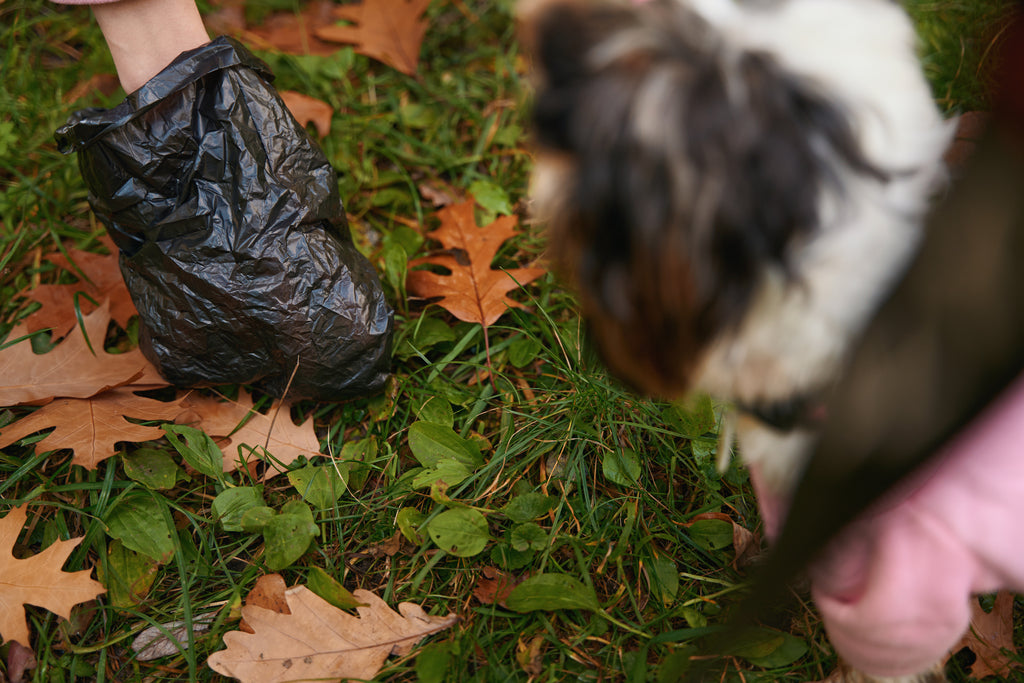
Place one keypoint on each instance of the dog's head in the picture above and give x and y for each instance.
(672, 170)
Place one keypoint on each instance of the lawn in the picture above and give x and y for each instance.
(560, 472)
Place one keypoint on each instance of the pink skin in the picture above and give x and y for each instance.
(894, 590)
(144, 36)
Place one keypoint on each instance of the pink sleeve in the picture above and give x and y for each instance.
(894, 590)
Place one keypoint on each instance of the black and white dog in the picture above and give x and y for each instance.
(732, 186)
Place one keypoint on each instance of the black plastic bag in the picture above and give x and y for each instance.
(234, 243)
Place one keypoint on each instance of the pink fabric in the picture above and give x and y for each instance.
(84, 2)
(894, 590)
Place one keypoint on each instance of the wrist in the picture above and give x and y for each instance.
(144, 36)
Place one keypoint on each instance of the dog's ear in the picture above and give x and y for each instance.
(688, 167)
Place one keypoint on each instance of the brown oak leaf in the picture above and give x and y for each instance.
(37, 580)
(268, 593)
(390, 31)
(72, 369)
(102, 281)
(308, 110)
(294, 33)
(318, 641)
(91, 426)
(472, 291)
(990, 634)
(246, 432)
(494, 586)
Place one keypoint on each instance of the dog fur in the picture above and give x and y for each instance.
(732, 186)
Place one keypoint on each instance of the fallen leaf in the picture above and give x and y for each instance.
(91, 427)
(386, 548)
(104, 83)
(19, 660)
(318, 641)
(438, 193)
(273, 430)
(102, 281)
(494, 586)
(745, 543)
(390, 31)
(72, 369)
(990, 634)
(308, 110)
(228, 18)
(37, 580)
(473, 291)
(268, 593)
(531, 657)
(153, 642)
(294, 33)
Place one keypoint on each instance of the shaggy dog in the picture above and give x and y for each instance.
(732, 186)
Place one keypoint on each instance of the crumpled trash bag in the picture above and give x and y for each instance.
(234, 243)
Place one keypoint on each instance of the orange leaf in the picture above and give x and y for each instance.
(473, 291)
(37, 580)
(308, 110)
(294, 33)
(390, 31)
(989, 635)
(91, 426)
(273, 430)
(72, 369)
(103, 281)
(318, 641)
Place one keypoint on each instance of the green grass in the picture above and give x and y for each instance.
(551, 422)
(959, 40)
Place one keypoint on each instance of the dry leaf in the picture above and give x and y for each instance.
(294, 33)
(227, 18)
(989, 635)
(106, 83)
(494, 586)
(91, 426)
(308, 110)
(745, 543)
(531, 657)
(286, 441)
(390, 31)
(103, 281)
(37, 580)
(387, 548)
(318, 641)
(20, 659)
(473, 291)
(268, 593)
(153, 643)
(72, 369)
(438, 193)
